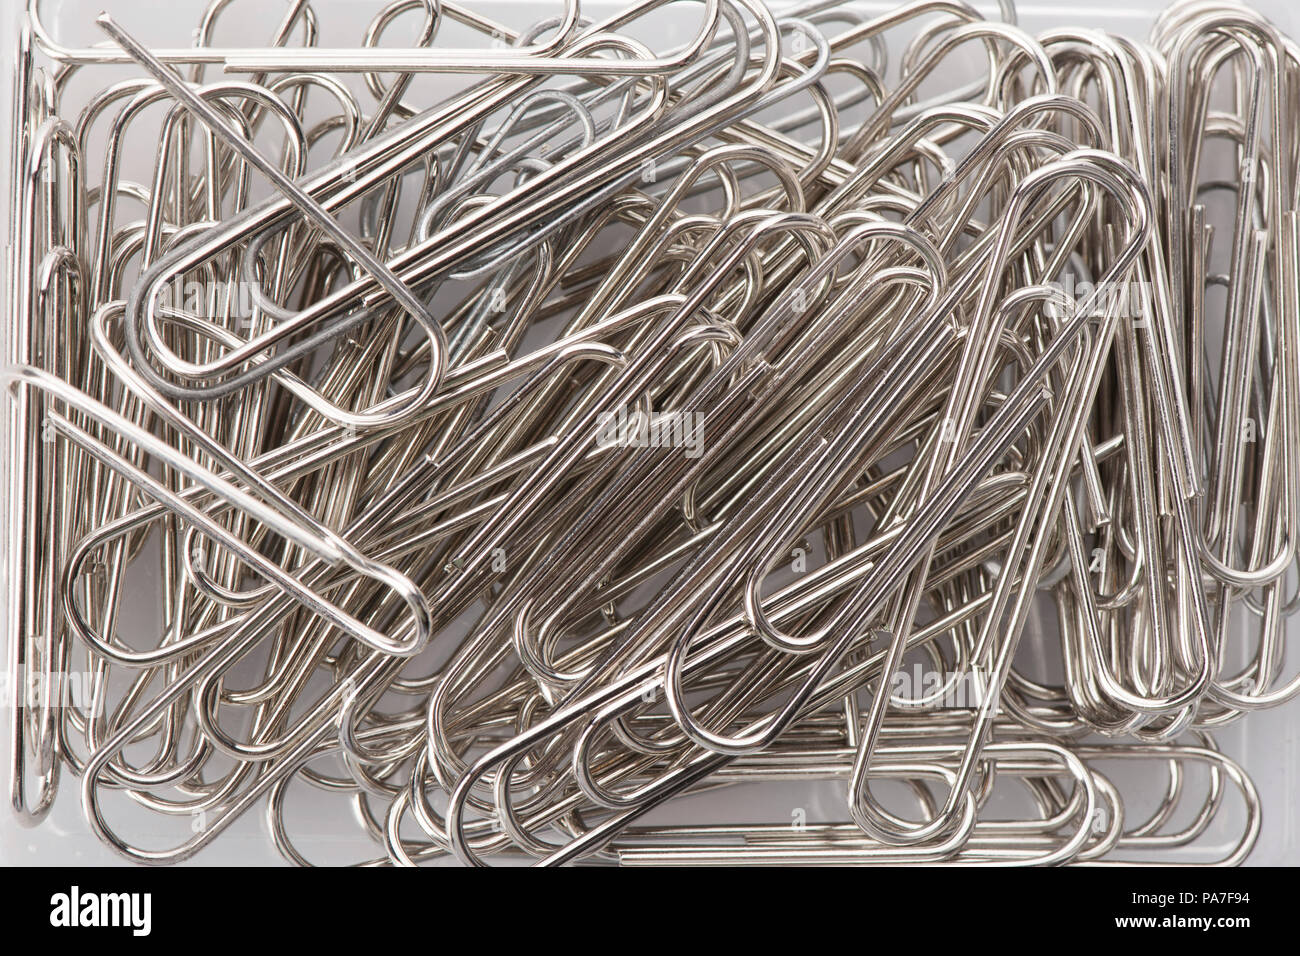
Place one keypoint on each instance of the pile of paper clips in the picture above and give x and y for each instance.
(503, 433)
